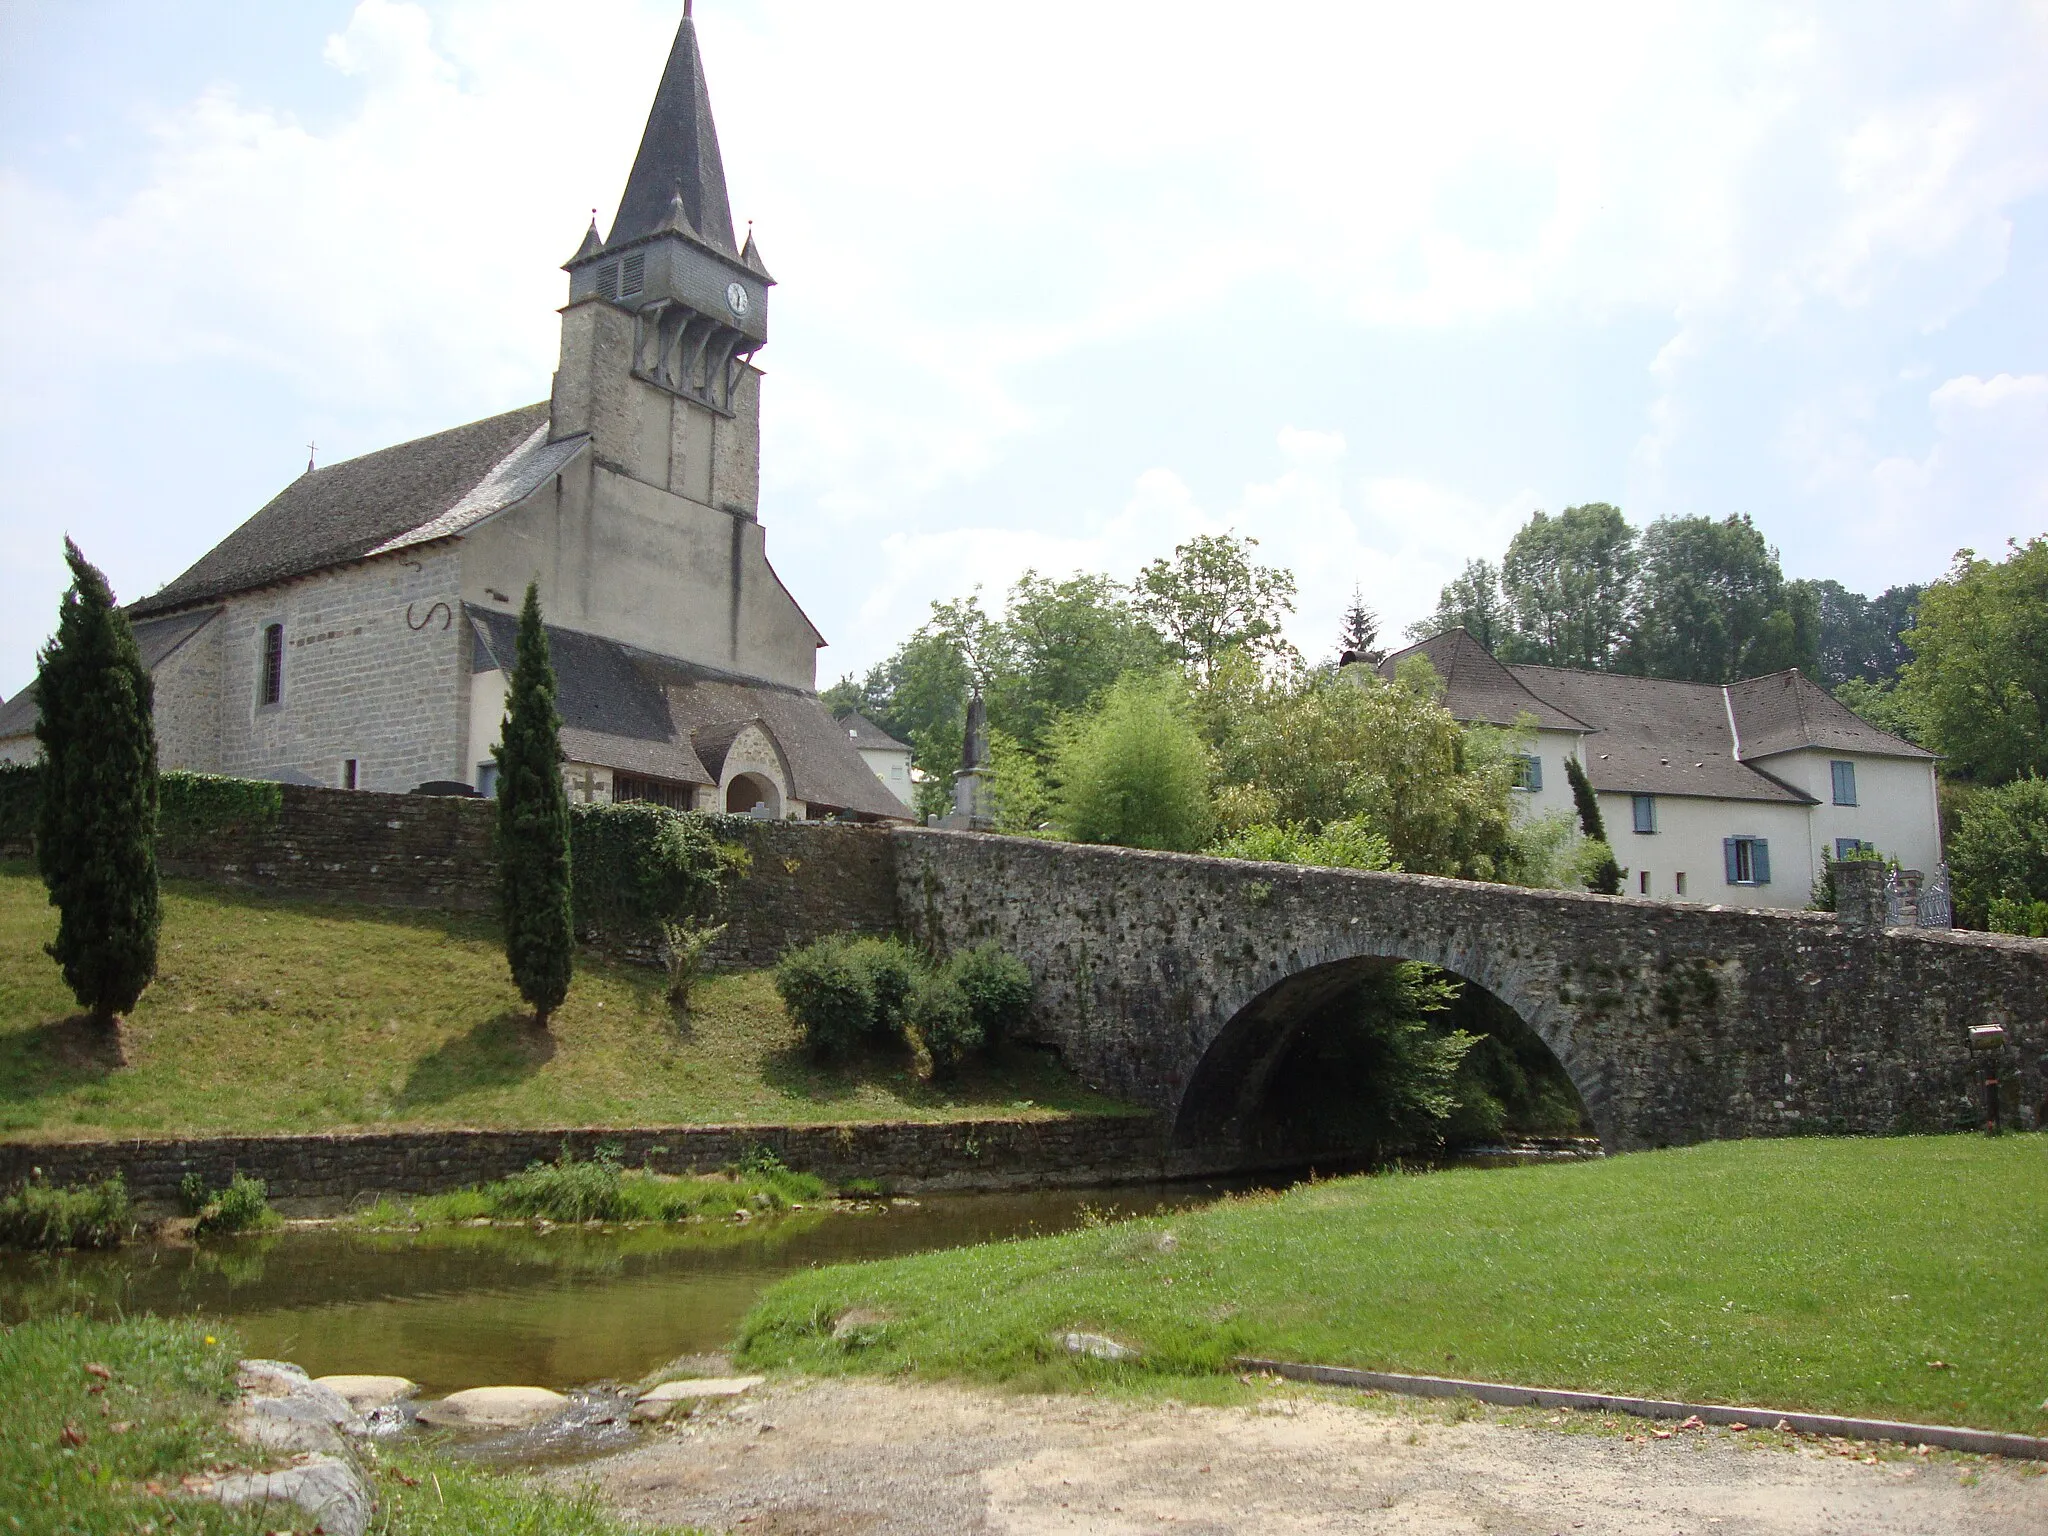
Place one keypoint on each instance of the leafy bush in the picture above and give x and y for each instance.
(1349, 844)
(44, 1216)
(192, 1192)
(998, 990)
(1136, 772)
(941, 1025)
(2028, 919)
(1999, 850)
(636, 866)
(829, 994)
(892, 969)
(243, 1206)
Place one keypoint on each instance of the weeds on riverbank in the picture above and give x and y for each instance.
(600, 1189)
(52, 1216)
(242, 1206)
(1899, 1278)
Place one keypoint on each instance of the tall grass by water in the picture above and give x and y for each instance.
(599, 1189)
(1902, 1278)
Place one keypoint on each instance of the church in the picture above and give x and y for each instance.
(357, 632)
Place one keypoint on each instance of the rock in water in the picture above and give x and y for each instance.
(494, 1408)
(1095, 1346)
(366, 1394)
(662, 1401)
(323, 1487)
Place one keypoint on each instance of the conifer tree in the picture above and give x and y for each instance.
(533, 825)
(1605, 875)
(96, 829)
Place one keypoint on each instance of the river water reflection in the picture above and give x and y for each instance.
(463, 1307)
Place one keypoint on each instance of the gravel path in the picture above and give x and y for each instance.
(839, 1457)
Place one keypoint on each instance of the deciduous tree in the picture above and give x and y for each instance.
(1713, 606)
(1978, 681)
(1212, 599)
(1568, 581)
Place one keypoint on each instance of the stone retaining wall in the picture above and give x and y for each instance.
(903, 1156)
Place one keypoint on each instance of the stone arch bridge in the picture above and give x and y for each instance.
(1172, 979)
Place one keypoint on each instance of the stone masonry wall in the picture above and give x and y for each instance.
(347, 1168)
(1678, 1023)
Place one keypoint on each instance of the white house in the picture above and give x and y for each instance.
(1710, 793)
(882, 752)
(358, 630)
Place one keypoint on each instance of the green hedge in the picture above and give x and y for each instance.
(636, 866)
(190, 806)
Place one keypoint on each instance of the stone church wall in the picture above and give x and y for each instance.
(188, 703)
(376, 669)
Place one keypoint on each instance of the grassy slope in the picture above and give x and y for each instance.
(1795, 1274)
(271, 1015)
(169, 1384)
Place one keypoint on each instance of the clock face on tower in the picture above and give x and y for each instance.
(737, 301)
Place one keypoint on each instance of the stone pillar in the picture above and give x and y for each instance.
(1909, 898)
(1859, 895)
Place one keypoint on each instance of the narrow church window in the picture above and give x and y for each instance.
(273, 663)
(633, 275)
(348, 773)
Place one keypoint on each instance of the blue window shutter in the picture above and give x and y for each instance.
(1535, 771)
(1728, 853)
(1760, 861)
(1845, 782)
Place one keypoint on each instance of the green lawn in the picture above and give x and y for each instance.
(1901, 1278)
(273, 1015)
(98, 1413)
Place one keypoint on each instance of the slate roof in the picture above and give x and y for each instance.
(634, 710)
(157, 639)
(1477, 687)
(1656, 737)
(1786, 711)
(867, 735)
(678, 157)
(429, 488)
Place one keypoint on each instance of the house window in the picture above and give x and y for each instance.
(1678, 883)
(630, 786)
(1528, 771)
(348, 773)
(1646, 812)
(1643, 882)
(1749, 860)
(1845, 782)
(487, 780)
(273, 664)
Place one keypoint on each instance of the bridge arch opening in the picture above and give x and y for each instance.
(1347, 1062)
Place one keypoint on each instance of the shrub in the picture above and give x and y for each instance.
(1135, 772)
(829, 994)
(242, 1206)
(941, 1025)
(637, 866)
(892, 969)
(44, 1216)
(566, 1191)
(2028, 919)
(998, 990)
(1999, 850)
(1351, 844)
(683, 947)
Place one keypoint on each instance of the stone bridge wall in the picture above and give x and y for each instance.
(1678, 1023)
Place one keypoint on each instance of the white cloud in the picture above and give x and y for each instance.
(1990, 456)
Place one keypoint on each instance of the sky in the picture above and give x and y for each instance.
(1061, 285)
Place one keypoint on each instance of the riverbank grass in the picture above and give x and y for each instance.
(271, 1015)
(1903, 1278)
(100, 1413)
(601, 1190)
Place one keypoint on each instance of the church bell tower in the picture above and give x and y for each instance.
(671, 299)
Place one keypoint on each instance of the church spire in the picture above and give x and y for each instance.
(678, 157)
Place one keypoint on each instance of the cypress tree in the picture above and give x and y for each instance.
(96, 827)
(1606, 875)
(533, 825)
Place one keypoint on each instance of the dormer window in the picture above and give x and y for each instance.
(633, 275)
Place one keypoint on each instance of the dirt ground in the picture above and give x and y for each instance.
(840, 1457)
